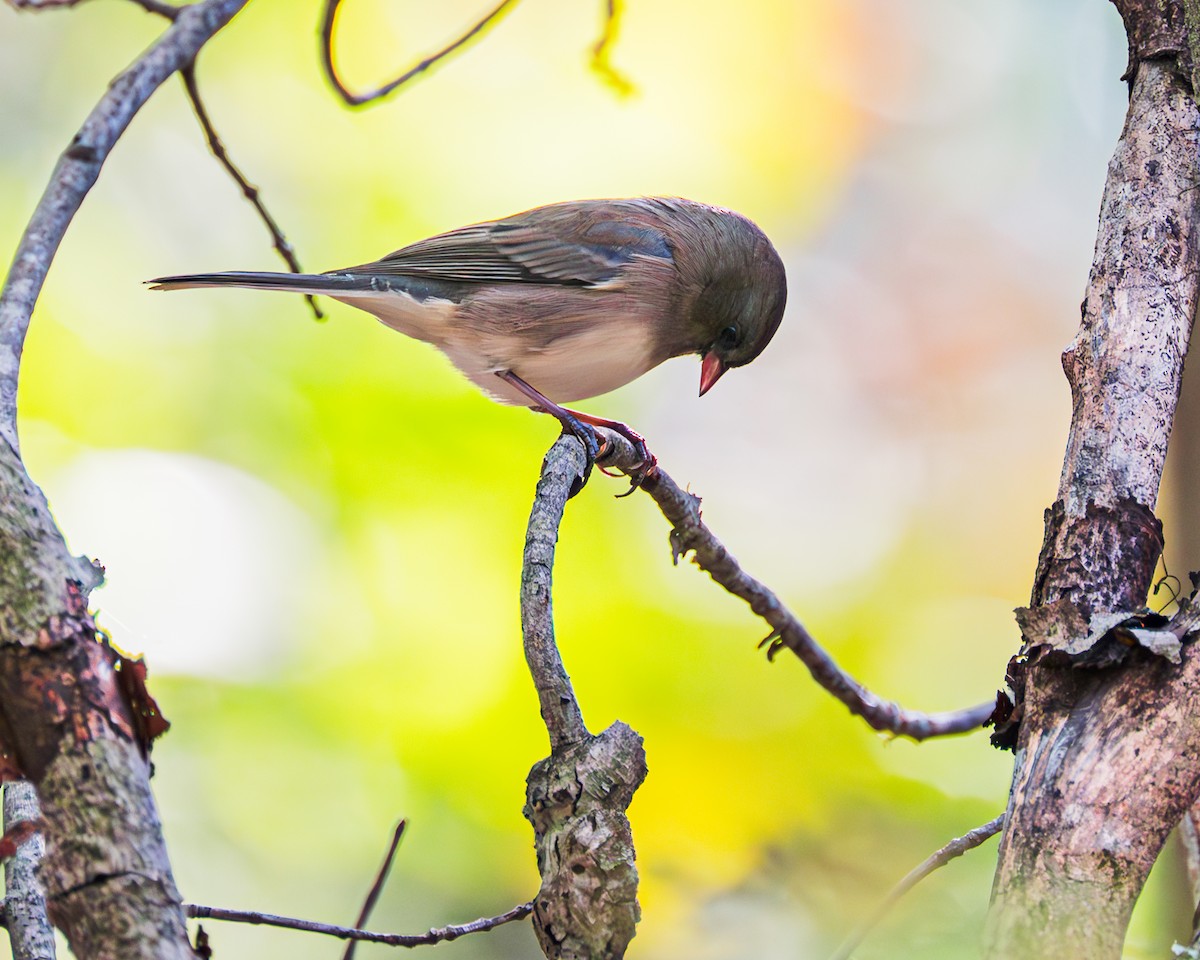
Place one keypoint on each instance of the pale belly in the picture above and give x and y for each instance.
(571, 368)
(596, 360)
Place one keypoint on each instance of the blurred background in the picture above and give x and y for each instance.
(313, 530)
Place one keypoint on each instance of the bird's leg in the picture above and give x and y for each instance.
(648, 465)
(571, 422)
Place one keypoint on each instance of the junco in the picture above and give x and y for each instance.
(570, 300)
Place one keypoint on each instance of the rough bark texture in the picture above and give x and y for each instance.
(74, 716)
(562, 468)
(29, 929)
(1108, 760)
(586, 908)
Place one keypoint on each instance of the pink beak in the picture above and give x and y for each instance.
(711, 369)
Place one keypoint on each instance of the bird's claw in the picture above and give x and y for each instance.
(586, 435)
(644, 470)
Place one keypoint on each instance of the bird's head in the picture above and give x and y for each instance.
(741, 304)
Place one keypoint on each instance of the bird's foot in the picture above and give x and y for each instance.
(642, 471)
(586, 435)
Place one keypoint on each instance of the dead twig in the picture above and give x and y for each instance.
(249, 190)
(360, 99)
(435, 935)
(955, 848)
(689, 534)
(170, 11)
(377, 887)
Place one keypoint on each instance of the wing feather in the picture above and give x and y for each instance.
(584, 243)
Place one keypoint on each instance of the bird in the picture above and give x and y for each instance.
(568, 301)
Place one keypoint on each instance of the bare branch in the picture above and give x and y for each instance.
(360, 99)
(76, 172)
(436, 935)
(168, 10)
(249, 190)
(30, 933)
(377, 887)
(563, 465)
(955, 848)
(41, 4)
(577, 797)
(689, 534)
(67, 715)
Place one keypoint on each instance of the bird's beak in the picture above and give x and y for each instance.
(711, 369)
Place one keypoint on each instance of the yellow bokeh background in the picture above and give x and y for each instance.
(314, 530)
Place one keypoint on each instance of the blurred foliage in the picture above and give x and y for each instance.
(314, 530)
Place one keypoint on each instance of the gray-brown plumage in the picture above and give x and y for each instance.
(570, 300)
(576, 299)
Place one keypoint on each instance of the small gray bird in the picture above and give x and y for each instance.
(570, 300)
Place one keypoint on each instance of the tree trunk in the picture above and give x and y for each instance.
(1108, 753)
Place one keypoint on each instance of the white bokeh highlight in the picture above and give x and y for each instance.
(206, 566)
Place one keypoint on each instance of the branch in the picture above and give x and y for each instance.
(249, 190)
(170, 11)
(360, 99)
(560, 711)
(435, 935)
(577, 797)
(76, 173)
(377, 887)
(690, 534)
(29, 931)
(67, 713)
(1105, 758)
(954, 849)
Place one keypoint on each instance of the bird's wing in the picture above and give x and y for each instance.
(572, 244)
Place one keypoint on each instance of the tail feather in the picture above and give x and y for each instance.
(327, 283)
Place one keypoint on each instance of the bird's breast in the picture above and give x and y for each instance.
(575, 361)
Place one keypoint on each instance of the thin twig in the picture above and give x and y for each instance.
(377, 887)
(955, 848)
(170, 11)
(603, 47)
(436, 935)
(359, 99)
(563, 466)
(690, 535)
(249, 190)
(74, 176)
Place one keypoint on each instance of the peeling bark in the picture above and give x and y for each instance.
(1108, 760)
(74, 716)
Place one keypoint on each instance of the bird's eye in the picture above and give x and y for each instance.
(728, 338)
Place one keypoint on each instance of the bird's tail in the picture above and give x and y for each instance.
(326, 283)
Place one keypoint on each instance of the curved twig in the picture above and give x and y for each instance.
(689, 534)
(249, 190)
(94, 789)
(955, 848)
(436, 935)
(76, 172)
(361, 99)
(563, 465)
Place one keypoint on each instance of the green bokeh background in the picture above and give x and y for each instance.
(313, 530)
